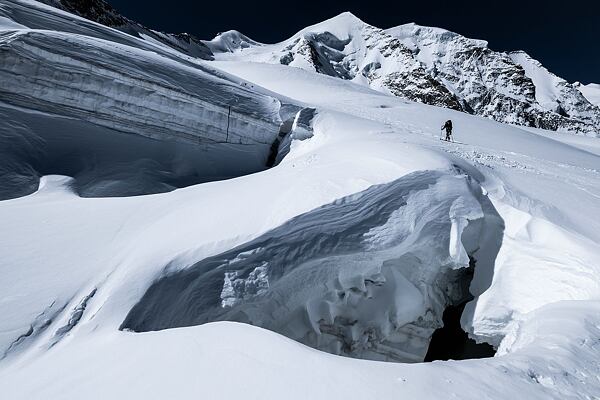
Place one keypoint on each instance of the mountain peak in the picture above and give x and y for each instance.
(346, 16)
(340, 25)
(230, 41)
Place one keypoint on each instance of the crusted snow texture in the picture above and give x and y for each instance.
(368, 276)
(437, 67)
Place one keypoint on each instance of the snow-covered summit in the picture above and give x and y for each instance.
(230, 41)
(415, 33)
(342, 25)
(348, 48)
(434, 66)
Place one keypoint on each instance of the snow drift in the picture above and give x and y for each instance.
(368, 276)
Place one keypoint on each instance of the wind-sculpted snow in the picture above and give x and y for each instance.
(358, 269)
(368, 276)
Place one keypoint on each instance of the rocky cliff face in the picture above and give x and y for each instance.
(433, 66)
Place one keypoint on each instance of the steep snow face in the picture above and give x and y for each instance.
(368, 276)
(103, 13)
(104, 162)
(433, 66)
(591, 92)
(555, 94)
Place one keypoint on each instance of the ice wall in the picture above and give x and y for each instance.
(130, 90)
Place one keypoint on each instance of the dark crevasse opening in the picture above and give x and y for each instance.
(451, 342)
(284, 130)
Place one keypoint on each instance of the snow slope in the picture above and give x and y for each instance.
(370, 204)
(36, 15)
(591, 92)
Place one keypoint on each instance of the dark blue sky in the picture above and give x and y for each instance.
(564, 36)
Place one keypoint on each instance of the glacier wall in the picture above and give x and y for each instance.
(123, 121)
(130, 90)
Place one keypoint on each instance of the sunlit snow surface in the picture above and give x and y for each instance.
(73, 268)
(592, 92)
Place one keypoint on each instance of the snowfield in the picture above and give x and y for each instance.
(592, 92)
(130, 268)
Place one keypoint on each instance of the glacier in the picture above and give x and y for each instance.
(105, 83)
(149, 251)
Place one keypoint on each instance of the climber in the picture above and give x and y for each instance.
(448, 127)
